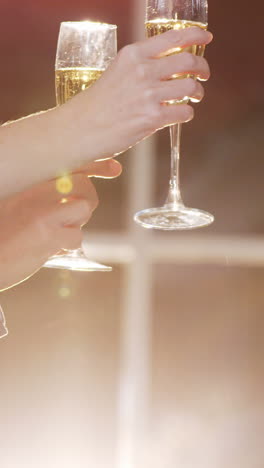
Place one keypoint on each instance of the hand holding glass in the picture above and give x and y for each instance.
(161, 16)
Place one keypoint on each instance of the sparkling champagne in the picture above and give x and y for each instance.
(161, 25)
(70, 81)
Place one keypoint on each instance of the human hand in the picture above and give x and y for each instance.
(127, 103)
(35, 224)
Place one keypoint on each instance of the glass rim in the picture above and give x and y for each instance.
(92, 23)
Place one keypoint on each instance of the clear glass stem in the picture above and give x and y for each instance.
(174, 196)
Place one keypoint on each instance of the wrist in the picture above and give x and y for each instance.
(85, 132)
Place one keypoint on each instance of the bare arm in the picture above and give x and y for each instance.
(35, 224)
(32, 149)
(123, 107)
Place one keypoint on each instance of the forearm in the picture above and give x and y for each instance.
(36, 148)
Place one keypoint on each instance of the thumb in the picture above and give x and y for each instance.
(105, 169)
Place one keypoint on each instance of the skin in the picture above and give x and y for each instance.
(123, 107)
(43, 225)
(105, 119)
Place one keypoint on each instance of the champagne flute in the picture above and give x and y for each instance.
(85, 49)
(161, 16)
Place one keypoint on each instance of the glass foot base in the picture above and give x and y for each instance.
(72, 261)
(170, 219)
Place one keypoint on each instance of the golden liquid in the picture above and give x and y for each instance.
(68, 82)
(71, 81)
(162, 25)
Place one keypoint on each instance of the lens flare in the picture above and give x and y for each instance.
(64, 292)
(64, 185)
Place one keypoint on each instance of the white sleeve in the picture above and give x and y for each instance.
(3, 329)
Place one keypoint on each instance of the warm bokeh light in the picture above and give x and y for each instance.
(64, 292)
(64, 185)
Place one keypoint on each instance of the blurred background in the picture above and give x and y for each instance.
(159, 363)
